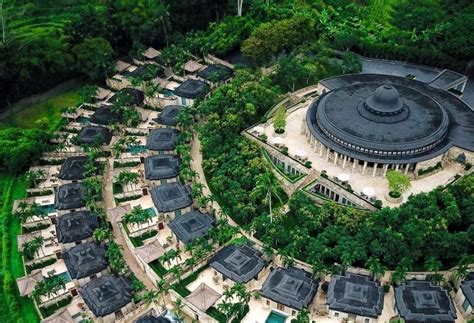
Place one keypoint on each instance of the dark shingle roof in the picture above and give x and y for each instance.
(162, 139)
(70, 196)
(169, 115)
(162, 166)
(94, 135)
(145, 71)
(467, 287)
(355, 294)
(192, 89)
(106, 294)
(171, 197)
(216, 72)
(239, 263)
(191, 226)
(421, 301)
(73, 168)
(85, 260)
(130, 96)
(290, 286)
(105, 116)
(76, 226)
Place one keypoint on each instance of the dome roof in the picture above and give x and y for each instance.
(384, 100)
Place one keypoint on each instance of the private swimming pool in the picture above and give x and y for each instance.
(167, 93)
(47, 208)
(65, 275)
(151, 211)
(134, 150)
(84, 120)
(275, 317)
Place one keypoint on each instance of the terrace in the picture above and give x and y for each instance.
(49, 248)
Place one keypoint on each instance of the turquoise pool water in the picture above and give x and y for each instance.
(275, 317)
(84, 120)
(134, 150)
(167, 93)
(151, 211)
(65, 276)
(47, 208)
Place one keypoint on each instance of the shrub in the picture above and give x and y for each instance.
(308, 164)
(378, 204)
(118, 164)
(39, 193)
(284, 151)
(325, 287)
(127, 198)
(386, 288)
(467, 166)
(263, 137)
(394, 194)
(38, 265)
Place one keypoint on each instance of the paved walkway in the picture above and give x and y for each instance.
(119, 239)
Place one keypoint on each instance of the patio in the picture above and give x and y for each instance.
(297, 142)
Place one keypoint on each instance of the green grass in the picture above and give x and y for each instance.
(50, 109)
(16, 308)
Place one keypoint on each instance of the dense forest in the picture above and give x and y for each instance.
(45, 42)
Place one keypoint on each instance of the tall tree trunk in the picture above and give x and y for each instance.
(239, 7)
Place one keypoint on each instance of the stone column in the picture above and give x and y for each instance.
(385, 168)
(327, 154)
(375, 170)
(321, 148)
(363, 168)
(344, 162)
(354, 163)
(335, 158)
(397, 166)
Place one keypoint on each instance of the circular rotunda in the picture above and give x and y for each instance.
(385, 123)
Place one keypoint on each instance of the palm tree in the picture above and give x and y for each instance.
(102, 234)
(266, 187)
(114, 257)
(303, 316)
(31, 248)
(163, 288)
(177, 272)
(137, 216)
(49, 286)
(149, 296)
(26, 211)
(126, 178)
(33, 176)
(462, 268)
(190, 262)
(178, 308)
(375, 267)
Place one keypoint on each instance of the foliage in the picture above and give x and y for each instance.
(273, 37)
(397, 181)
(279, 120)
(49, 286)
(94, 58)
(20, 148)
(435, 225)
(351, 63)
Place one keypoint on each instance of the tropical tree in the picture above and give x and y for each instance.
(163, 288)
(31, 248)
(102, 234)
(178, 308)
(266, 186)
(462, 269)
(95, 58)
(33, 176)
(375, 267)
(190, 262)
(137, 216)
(26, 211)
(303, 316)
(398, 182)
(49, 286)
(88, 94)
(128, 178)
(115, 258)
(177, 271)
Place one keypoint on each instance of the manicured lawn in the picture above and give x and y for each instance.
(14, 308)
(50, 109)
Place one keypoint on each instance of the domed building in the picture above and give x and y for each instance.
(382, 122)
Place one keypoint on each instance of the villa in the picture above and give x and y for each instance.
(163, 141)
(172, 200)
(289, 290)
(105, 115)
(188, 227)
(161, 169)
(422, 301)
(151, 54)
(85, 262)
(465, 297)
(239, 264)
(216, 73)
(73, 168)
(90, 135)
(168, 116)
(76, 228)
(129, 97)
(108, 297)
(70, 196)
(190, 91)
(355, 297)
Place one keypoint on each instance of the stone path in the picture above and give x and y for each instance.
(119, 238)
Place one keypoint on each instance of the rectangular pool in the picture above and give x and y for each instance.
(65, 275)
(275, 317)
(47, 208)
(134, 150)
(83, 120)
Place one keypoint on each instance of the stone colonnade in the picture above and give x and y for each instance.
(350, 163)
